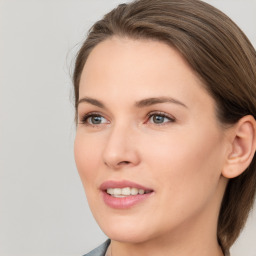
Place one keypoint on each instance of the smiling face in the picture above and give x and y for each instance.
(146, 124)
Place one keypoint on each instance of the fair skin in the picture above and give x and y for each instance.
(150, 121)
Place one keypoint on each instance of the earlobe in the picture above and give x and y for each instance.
(243, 145)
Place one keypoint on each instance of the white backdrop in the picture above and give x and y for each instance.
(43, 210)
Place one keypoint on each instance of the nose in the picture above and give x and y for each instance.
(120, 149)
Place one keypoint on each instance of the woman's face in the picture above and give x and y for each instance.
(148, 148)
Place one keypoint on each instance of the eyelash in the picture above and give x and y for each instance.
(171, 119)
(84, 119)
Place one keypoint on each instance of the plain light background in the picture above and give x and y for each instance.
(43, 210)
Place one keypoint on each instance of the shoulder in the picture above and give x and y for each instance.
(99, 251)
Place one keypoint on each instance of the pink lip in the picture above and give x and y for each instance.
(123, 202)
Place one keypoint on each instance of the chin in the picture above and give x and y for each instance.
(128, 236)
(125, 231)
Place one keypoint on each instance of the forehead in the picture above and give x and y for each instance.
(139, 69)
(150, 53)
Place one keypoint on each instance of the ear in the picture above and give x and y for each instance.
(243, 145)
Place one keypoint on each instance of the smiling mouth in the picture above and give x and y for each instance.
(124, 194)
(127, 191)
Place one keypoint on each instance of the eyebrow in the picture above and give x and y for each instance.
(140, 104)
(92, 101)
(157, 100)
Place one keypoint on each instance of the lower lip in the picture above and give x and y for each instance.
(124, 202)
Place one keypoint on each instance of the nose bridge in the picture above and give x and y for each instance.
(120, 148)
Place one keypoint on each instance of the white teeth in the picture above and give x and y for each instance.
(126, 191)
(122, 192)
(117, 191)
(141, 191)
(134, 191)
(110, 191)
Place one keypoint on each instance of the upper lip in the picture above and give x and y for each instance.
(122, 184)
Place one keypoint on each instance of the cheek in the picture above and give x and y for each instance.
(191, 161)
(87, 158)
(186, 171)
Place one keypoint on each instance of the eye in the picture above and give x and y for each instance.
(94, 119)
(160, 118)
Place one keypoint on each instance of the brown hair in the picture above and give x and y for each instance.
(221, 55)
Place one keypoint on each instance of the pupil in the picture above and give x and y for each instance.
(158, 119)
(96, 120)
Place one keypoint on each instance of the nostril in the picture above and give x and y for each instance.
(123, 163)
(117, 165)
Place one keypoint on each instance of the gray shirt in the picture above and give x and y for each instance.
(99, 251)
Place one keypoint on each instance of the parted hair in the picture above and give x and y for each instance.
(218, 52)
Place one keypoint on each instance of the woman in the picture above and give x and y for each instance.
(165, 109)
